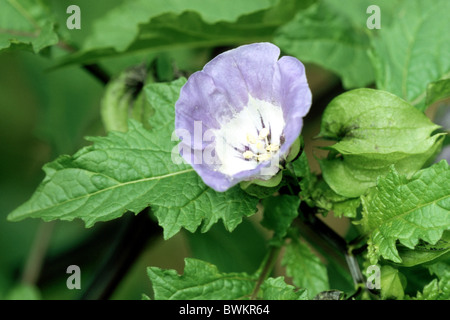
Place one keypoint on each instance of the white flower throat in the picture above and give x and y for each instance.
(252, 136)
(259, 147)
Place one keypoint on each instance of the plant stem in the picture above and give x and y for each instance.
(336, 241)
(37, 253)
(93, 68)
(98, 72)
(266, 269)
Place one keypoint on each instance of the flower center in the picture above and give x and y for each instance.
(251, 136)
(264, 149)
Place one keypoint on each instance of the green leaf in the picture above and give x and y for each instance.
(327, 200)
(374, 130)
(407, 210)
(347, 208)
(305, 268)
(295, 149)
(444, 288)
(279, 212)
(115, 30)
(393, 283)
(424, 252)
(329, 37)
(334, 35)
(241, 250)
(437, 90)
(26, 25)
(160, 25)
(316, 192)
(277, 289)
(441, 269)
(430, 291)
(301, 169)
(203, 281)
(130, 171)
(413, 51)
(263, 188)
(437, 289)
(200, 280)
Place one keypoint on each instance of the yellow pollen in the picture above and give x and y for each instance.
(264, 157)
(263, 133)
(248, 154)
(260, 145)
(250, 138)
(272, 147)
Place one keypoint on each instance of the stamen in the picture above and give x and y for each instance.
(272, 147)
(263, 133)
(260, 145)
(250, 138)
(264, 157)
(248, 154)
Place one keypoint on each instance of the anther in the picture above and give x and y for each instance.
(272, 147)
(264, 157)
(250, 138)
(260, 145)
(263, 133)
(248, 154)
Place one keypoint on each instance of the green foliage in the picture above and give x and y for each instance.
(263, 188)
(203, 281)
(374, 130)
(392, 283)
(437, 90)
(425, 252)
(279, 212)
(241, 250)
(159, 26)
(305, 268)
(277, 289)
(328, 36)
(437, 289)
(413, 51)
(407, 209)
(316, 192)
(26, 25)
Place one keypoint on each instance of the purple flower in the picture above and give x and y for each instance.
(239, 116)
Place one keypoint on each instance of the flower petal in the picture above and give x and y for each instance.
(296, 97)
(245, 70)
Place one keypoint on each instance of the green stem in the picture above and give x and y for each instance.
(37, 253)
(338, 243)
(266, 269)
(93, 68)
